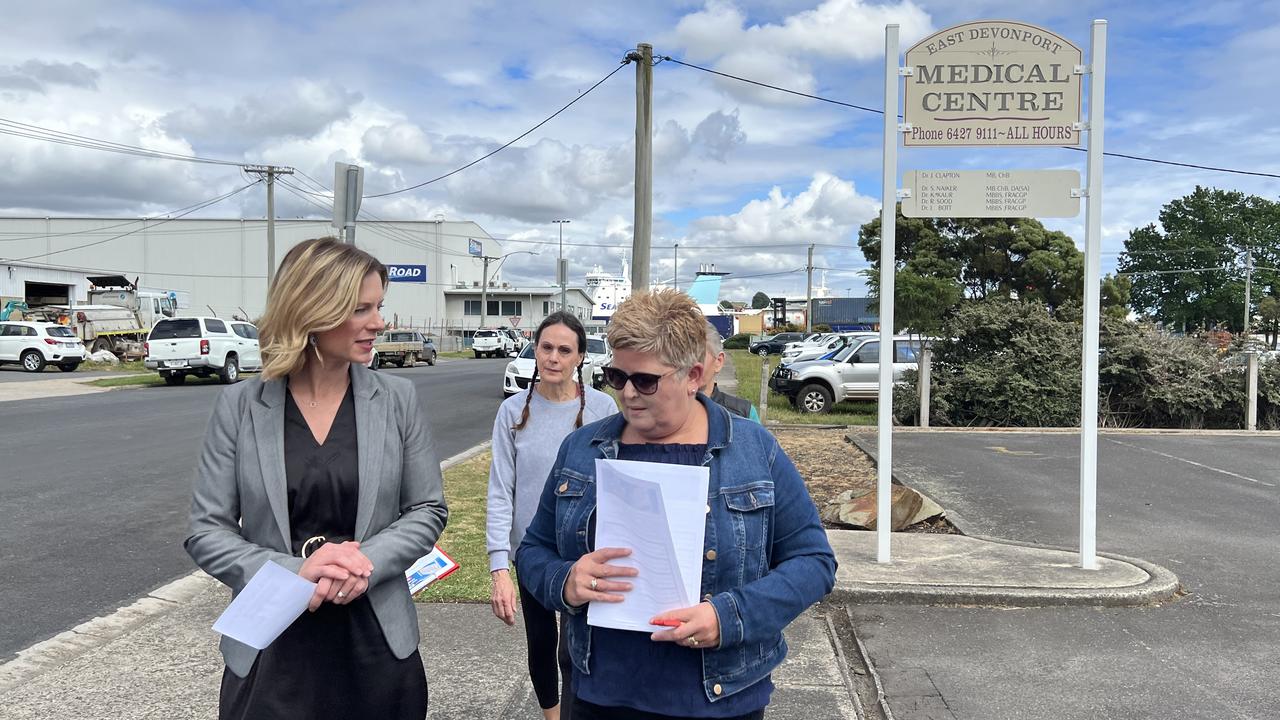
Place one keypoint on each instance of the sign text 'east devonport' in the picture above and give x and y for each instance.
(993, 82)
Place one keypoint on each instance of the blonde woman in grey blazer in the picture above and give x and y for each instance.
(328, 469)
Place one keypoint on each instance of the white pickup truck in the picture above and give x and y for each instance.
(202, 346)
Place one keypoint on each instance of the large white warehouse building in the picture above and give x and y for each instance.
(219, 266)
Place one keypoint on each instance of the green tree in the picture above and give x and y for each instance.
(760, 300)
(1187, 270)
(985, 257)
(1269, 310)
(1114, 296)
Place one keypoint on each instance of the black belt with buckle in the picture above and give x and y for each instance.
(313, 543)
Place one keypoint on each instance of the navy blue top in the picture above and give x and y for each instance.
(630, 670)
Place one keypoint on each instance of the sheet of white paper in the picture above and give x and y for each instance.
(657, 510)
(269, 603)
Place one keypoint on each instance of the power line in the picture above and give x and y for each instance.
(36, 132)
(509, 144)
(881, 112)
(191, 209)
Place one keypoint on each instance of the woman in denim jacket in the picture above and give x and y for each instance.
(766, 557)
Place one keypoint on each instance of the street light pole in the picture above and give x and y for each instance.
(560, 269)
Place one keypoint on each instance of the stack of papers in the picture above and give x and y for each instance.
(658, 511)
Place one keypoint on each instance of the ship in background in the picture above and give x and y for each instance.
(607, 291)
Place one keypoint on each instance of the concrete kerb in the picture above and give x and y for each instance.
(68, 645)
(1161, 585)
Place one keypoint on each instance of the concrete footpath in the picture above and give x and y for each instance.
(158, 658)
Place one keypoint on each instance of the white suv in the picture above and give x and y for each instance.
(493, 343)
(35, 345)
(202, 346)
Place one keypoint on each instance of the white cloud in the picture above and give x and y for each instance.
(304, 108)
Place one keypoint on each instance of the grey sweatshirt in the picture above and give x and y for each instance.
(522, 460)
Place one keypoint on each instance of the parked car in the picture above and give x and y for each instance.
(202, 346)
(35, 345)
(854, 372)
(826, 346)
(808, 340)
(773, 344)
(600, 354)
(492, 342)
(402, 347)
(518, 340)
(520, 370)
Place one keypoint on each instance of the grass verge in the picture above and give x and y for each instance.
(152, 379)
(747, 368)
(131, 366)
(456, 354)
(466, 486)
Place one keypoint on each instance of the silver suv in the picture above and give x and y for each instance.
(854, 373)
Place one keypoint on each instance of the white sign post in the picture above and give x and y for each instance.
(888, 269)
(1092, 271)
(994, 83)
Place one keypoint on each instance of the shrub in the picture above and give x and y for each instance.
(737, 342)
(1012, 364)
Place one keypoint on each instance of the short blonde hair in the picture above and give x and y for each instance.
(664, 322)
(316, 289)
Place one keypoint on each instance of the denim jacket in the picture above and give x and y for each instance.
(766, 557)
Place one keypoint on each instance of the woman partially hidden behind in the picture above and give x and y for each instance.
(329, 470)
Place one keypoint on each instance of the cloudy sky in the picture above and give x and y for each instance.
(744, 177)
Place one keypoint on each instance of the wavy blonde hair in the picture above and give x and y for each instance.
(664, 322)
(316, 289)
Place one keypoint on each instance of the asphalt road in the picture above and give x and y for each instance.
(95, 489)
(1203, 506)
(15, 373)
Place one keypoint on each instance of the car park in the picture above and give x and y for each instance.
(826, 345)
(854, 373)
(202, 346)
(519, 371)
(36, 345)
(773, 344)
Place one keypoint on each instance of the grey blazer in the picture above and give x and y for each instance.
(240, 507)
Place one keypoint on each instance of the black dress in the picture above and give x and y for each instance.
(335, 662)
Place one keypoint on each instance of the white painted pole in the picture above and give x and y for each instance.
(1092, 273)
(888, 218)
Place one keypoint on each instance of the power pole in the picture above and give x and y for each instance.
(270, 171)
(1248, 285)
(642, 224)
(675, 272)
(808, 293)
(484, 289)
(560, 270)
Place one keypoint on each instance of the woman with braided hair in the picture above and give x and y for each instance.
(526, 437)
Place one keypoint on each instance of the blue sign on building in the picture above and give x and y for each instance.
(475, 247)
(407, 273)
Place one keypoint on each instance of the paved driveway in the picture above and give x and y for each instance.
(1201, 505)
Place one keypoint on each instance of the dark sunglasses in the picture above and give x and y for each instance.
(644, 383)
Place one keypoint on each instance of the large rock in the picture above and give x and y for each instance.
(858, 509)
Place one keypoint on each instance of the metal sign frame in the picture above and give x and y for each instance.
(1096, 70)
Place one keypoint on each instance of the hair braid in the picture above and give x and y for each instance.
(524, 415)
(582, 399)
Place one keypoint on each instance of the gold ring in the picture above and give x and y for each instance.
(693, 641)
(341, 594)
(593, 583)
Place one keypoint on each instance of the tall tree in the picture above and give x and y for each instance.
(1188, 270)
(760, 300)
(983, 257)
